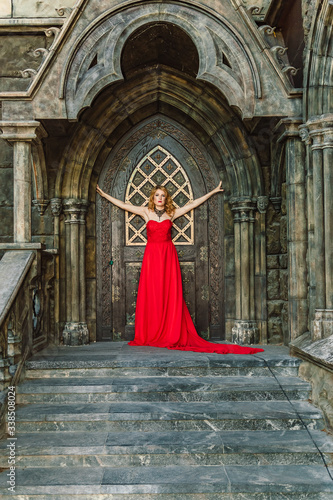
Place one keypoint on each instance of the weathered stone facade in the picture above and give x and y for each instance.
(246, 89)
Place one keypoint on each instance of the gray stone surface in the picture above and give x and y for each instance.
(14, 265)
(171, 449)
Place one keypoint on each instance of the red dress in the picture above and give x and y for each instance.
(162, 318)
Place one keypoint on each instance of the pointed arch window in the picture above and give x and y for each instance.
(159, 166)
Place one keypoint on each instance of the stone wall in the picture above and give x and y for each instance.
(32, 8)
(6, 192)
(322, 389)
(277, 273)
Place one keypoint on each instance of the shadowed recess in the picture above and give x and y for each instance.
(160, 44)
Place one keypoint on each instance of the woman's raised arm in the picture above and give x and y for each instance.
(124, 206)
(195, 203)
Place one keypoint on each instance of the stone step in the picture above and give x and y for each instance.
(159, 416)
(79, 449)
(173, 480)
(118, 359)
(102, 389)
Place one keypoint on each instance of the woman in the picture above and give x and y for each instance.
(162, 318)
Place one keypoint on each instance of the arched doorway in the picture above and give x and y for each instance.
(157, 152)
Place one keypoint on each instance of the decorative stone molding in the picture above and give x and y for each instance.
(245, 332)
(323, 324)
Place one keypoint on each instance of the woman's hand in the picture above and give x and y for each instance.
(218, 189)
(99, 191)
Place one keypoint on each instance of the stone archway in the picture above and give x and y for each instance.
(172, 157)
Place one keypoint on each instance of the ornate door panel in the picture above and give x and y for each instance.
(155, 154)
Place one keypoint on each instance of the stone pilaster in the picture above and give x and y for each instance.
(320, 130)
(76, 330)
(245, 330)
(297, 226)
(21, 134)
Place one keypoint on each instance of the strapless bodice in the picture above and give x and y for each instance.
(159, 232)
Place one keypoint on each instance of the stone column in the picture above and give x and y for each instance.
(321, 134)
(20, 134)
(76, 330)
(56, 209)
(245, 330)
(260, 271)
(311, 256)
(297, 226)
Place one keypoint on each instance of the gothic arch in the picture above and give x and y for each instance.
(94, 61)
(219, 128)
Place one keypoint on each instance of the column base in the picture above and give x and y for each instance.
(245, 332)
(323, 324)
(75, 334)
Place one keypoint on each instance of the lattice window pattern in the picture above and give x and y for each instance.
(159, 167)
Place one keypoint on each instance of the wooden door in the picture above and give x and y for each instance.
(156, 157)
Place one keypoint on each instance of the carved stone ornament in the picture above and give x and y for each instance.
(308, 10)
(64, 11)
(276, 202)
(75, 334)
(254, 10)
(56, 206)
(41, 52)
(41, 205)
(290, 69)
(245, 332)
(28, 73)
(262, 204)
(267, 30)
(52, 32)
(304, 134)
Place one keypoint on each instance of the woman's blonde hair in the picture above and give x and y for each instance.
(169, 206)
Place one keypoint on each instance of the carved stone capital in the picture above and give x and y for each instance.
(287, 128)
(262, 204)
(75, 210)
(19, 131)
(245, 332)
(75, 333)
(242, 209)
(276, 202)
(56, 206)
(321, 131)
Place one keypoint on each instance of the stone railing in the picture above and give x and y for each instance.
(26, 276)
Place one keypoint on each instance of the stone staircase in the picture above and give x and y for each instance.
(116, 422)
